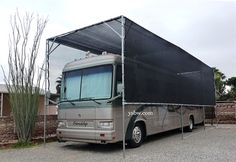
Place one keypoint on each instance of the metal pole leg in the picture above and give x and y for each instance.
(123, 80)
(204, 118)
(45, 97)
(182, 127)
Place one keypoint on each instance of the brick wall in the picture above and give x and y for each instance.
(6, 105)
(225, 112)
(7, 128)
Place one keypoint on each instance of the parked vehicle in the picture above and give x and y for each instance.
(90, 107)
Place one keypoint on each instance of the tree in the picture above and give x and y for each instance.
(225, 88)
(219, 84)
(231, 82)
(24, 79)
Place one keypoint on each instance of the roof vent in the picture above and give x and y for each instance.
(89, 54)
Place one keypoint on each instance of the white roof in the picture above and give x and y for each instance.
(92, 61)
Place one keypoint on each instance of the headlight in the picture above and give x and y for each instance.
(61, 124)
(105, 124)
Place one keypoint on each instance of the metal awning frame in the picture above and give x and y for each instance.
(52, 47)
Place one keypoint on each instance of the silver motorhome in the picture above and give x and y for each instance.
(90, 108)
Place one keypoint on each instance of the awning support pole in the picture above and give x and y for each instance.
(1, 105)
(123, 80)
(46, 91)
(48, 51)
(204, 116)
(182, 125)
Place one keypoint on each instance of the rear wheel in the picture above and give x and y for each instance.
(189, 128)
(138, 135)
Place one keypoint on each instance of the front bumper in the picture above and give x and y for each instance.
(88, 136)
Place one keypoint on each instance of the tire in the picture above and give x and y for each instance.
(138, 135)
(189, 128)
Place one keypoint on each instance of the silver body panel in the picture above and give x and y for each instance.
(81, 120)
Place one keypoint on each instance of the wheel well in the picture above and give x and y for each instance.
(192, 117)
(142, 123)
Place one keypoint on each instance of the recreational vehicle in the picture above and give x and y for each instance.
(134, 85)
(90, 108)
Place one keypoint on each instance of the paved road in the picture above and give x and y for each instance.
(213, 144)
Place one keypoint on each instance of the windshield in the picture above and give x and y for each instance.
(86, 84)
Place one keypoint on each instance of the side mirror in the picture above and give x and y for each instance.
(118, 91)
(119, 88)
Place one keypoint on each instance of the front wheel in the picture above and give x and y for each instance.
(138, 135)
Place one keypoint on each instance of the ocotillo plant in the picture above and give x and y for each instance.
(24, 79)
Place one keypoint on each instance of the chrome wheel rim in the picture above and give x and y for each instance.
(191, 124)
(137, 134)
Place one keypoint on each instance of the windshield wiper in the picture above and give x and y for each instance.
(90, 99)
(70, 101)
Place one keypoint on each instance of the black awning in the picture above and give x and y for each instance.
(95, 38)
(156, 70)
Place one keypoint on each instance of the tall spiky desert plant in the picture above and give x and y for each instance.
(24, 79)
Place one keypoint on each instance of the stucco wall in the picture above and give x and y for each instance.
(52, 110)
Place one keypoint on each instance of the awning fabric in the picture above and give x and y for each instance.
(156, 71)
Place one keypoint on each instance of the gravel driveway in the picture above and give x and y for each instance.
(213, 144)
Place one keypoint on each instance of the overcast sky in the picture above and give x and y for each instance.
(206, 29)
